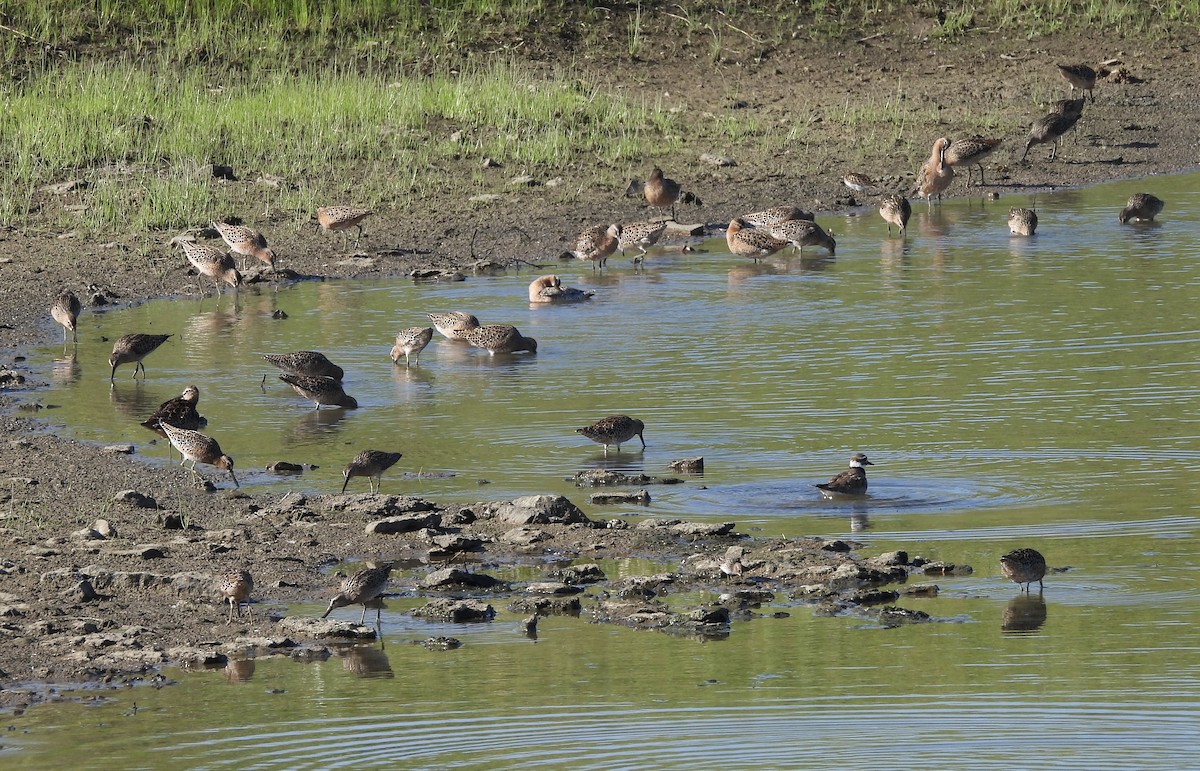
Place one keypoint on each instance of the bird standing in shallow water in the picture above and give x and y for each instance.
(235, 588)
(615, 429)
(661, 192)
(212, 262)
(370, 464)
(802, 233)
(640, 236)
(454, 325)
(410, 342)
(1024, 566)
(597, 243)
(179, 411)
(361, 588)
(501, 338)
(320, 390)
(1022, 222)
(1079, 76)
(751, 242)
(895, 210)
(852, 481)
(1142, 207)
(247, 242)
(971, 152)
(133, 348)
(198, 448)
(769, 218)
(307, 363)
(935, 175)
(65, 310)
(549, 289)
(341, 218)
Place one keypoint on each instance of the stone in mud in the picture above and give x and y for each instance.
(136, 498)
(457, 578)
(687, 465)
(523, 536)
(872, 597)
(439, 643)
(324, 628)
(283, 467)
(641, 497)
(892, 616)
(889, 559)
(405, 523)
(537, 510)
(375, 505)
(946, 569)
(118, 449)
(547, 605)
(835, 546)
(552, 587)
(589, 573)
(921, 590)
(105, 528)
(87, 534)
(703, 529)
(193, 657)
(457, 611)
(447, 545)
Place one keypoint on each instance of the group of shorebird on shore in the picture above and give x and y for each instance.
(757, 235)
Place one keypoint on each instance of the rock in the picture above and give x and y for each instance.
(889, 559)
(547, 605)
(62, 188)
(835, 546)
(717, 160)
(523, 180)
(892, 616)
(190, 656)
(406, 523)
(872, 597)
(448, 578)
(439, 643)
(921, 590)
(484, 198)
(326, 628)
(538, 510)
(105, 528)
(450, 544)
(523, 536)
(216, 171)
(358, 263)
(135, 498)
(87, 534)
(457, 611)
(283, 467)
(171, 521)
(553, 588)
(703, 528)
(589, 573)
(374, 505)
(687, 465)
(946, 569)
(118, 449)
(641, 497)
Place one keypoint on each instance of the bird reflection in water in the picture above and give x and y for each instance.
(239, 670)
(65, 371)
(315, 425)
(366, 661)
(1024, 613)
(132, 400)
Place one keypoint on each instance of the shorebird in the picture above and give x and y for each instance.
(133, 348)
(596, 244)
(751, 242)
(859, 183)
(1079, 76)
(731, 563)
(895, 210)
(971, 152)
(235, 588)
(1024, 566)
(852, 481)
(1022, 222)
(1050, 127)
(212, 262)
(454, 325)
(361, 588)
(410, 342)
(1141, 207)
(661, 192)
(370, 464)
(198, 448)
(935, 176)
(769, 218)
(307, 363)
(65, 310)
(802, 233)
(615, 429)
(549, 289)
(320, 390)
(501, 338)
(342, 218)
(179, 411)
(640, 236)
(247, 242)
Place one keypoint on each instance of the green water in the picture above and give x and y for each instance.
(1011, 392)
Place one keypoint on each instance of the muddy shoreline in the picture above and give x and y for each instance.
(148, 601)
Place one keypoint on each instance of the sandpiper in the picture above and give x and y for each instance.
(361, 588)
(661, 192)
(751, 242)
(935, 175)
(454, 325)
(895, 210)
(212, 262)
(1022, 222)
(615, 429)
(235, 588)
(410, 342)
(596, 243)
(1024, 566)
(247, 242)
(308, 363)
(342, 218)
(768, 218)
(1050, 127)
(501, 338)
(1079, 76)
(549, 289)
(1141, 207)
(370, 464)
(640, 236)
(320, 390)
(852, 481)
(969, 152)
(198, 448)
(802, 233)
(65, 310)
(133, 348)
(859, 183)
(179, 411)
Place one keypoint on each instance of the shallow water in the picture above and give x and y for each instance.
(1011, 392)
